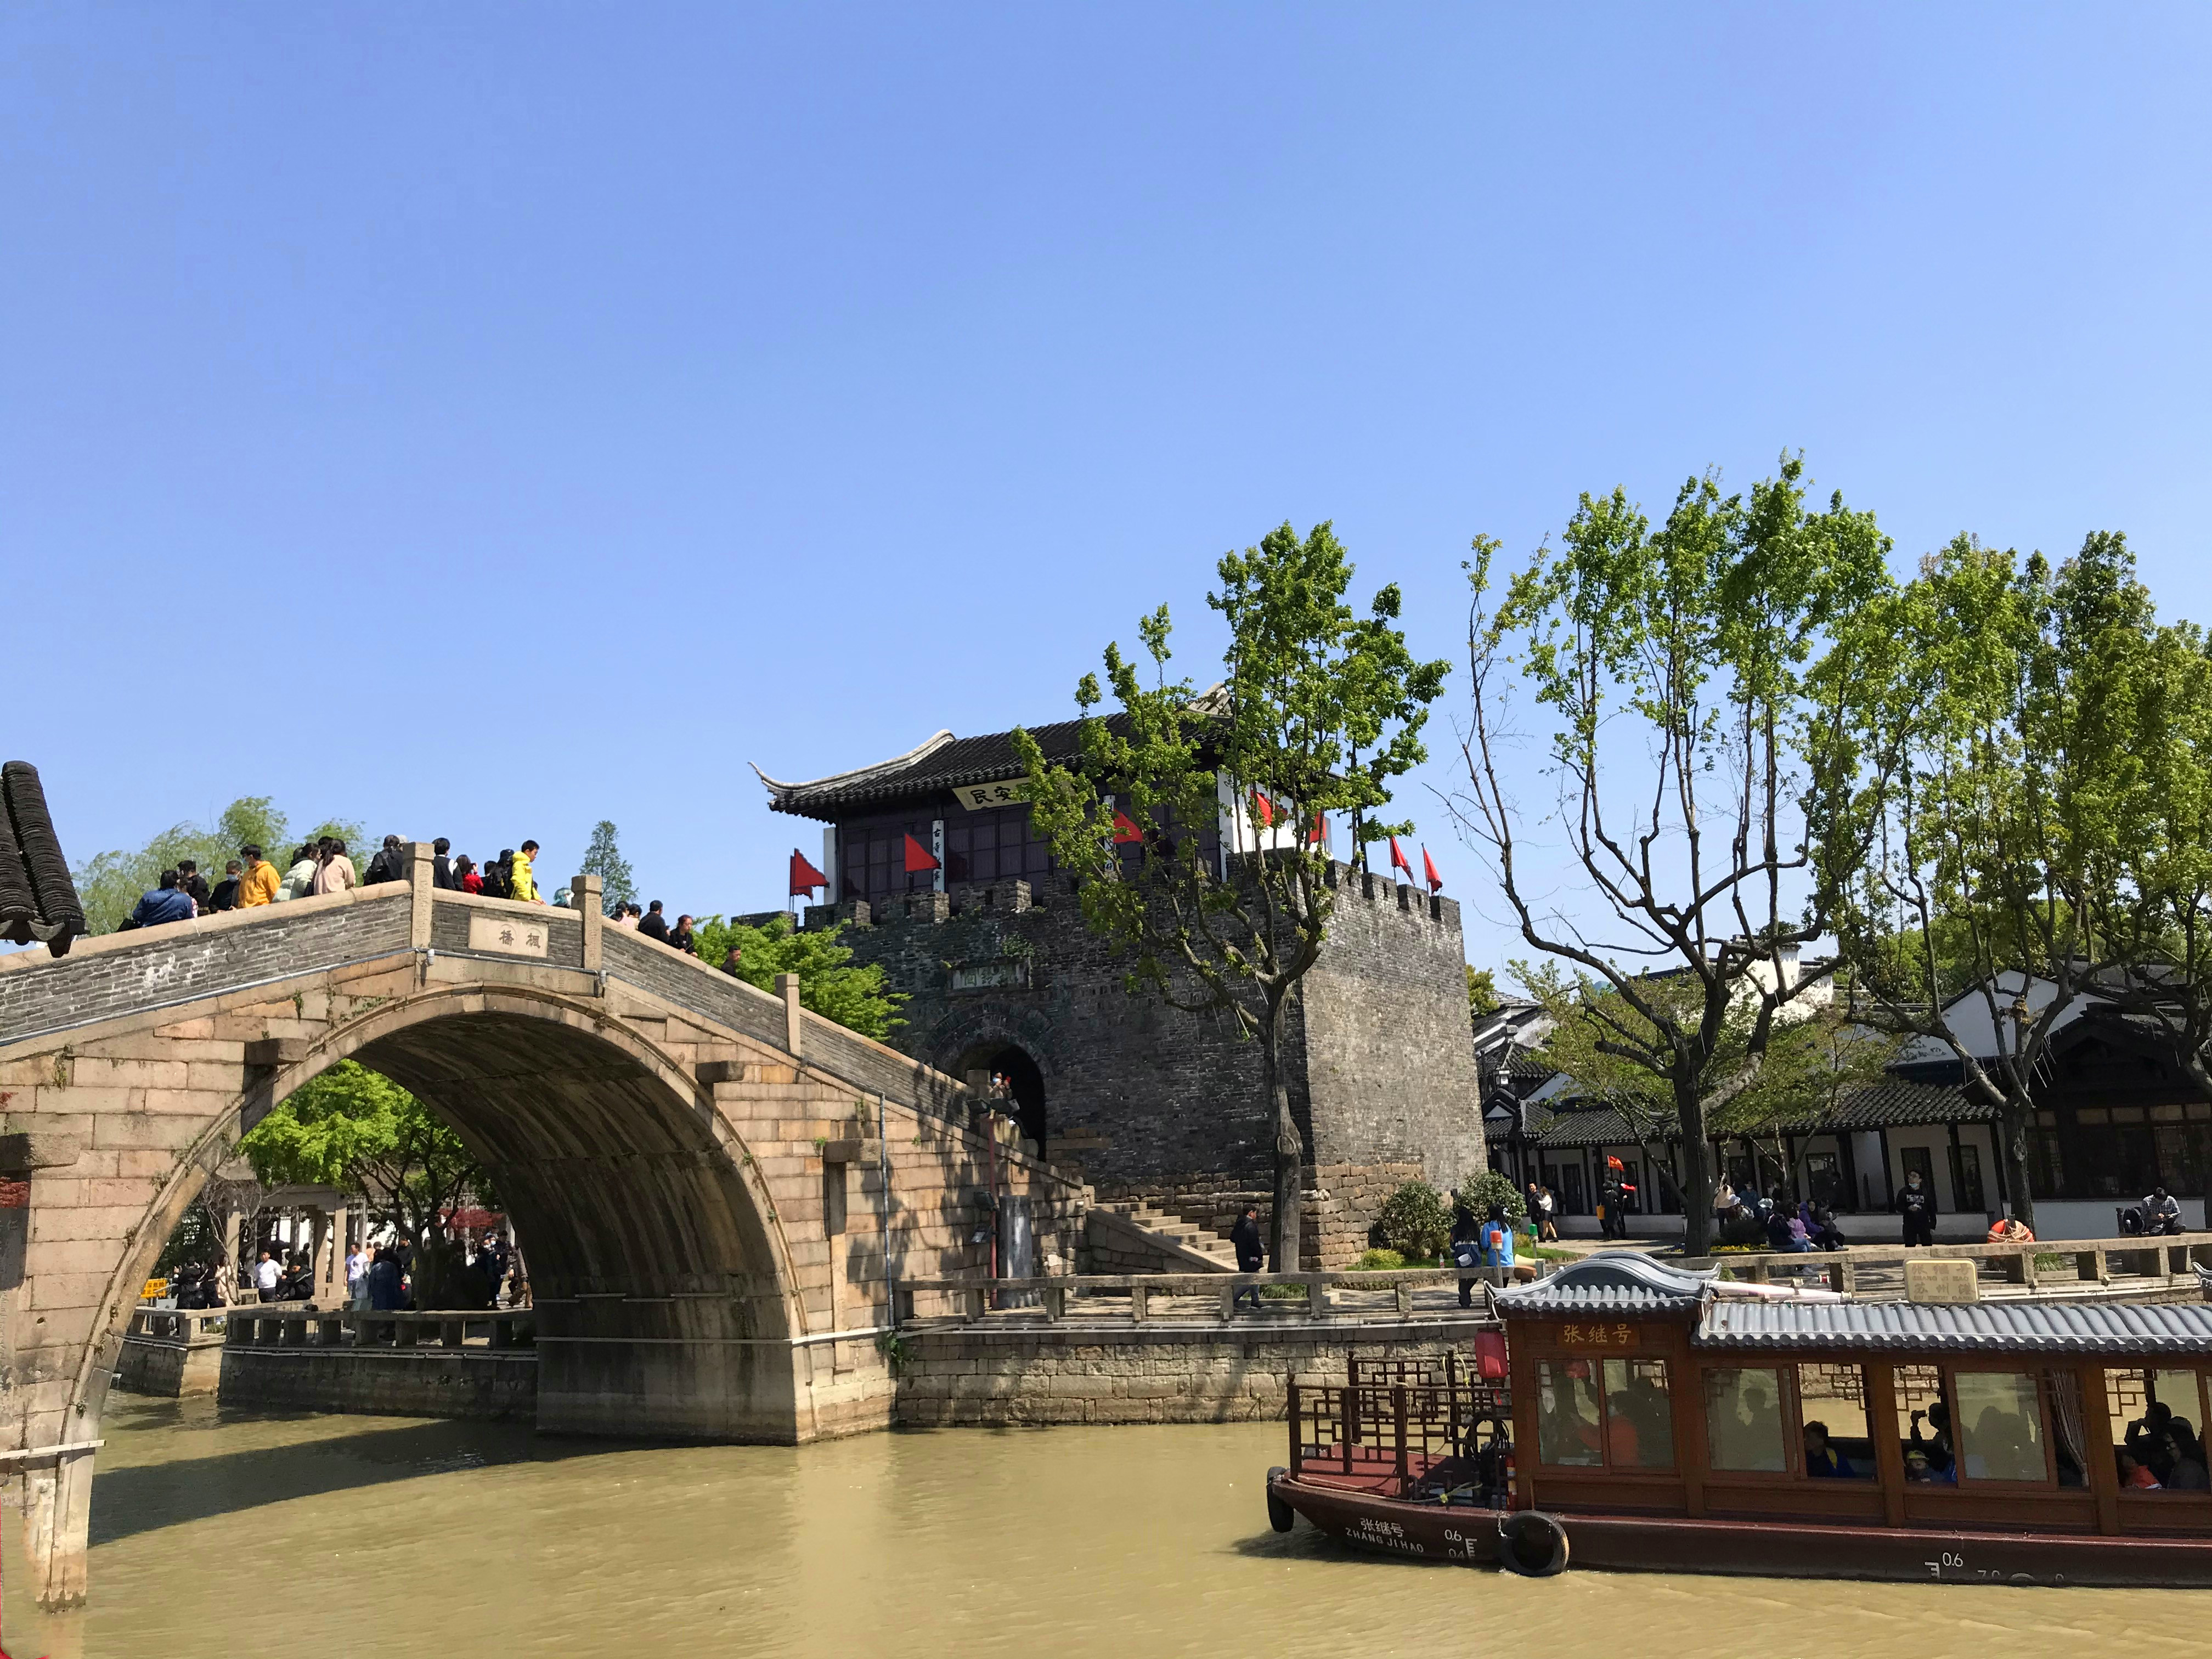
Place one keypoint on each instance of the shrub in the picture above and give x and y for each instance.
(1490, 1187)
(1380, 1261)
(1415, 1221)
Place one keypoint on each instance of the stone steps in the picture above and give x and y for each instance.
(1188, 1234)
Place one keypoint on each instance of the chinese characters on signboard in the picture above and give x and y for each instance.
(508, 935)
(1009, 792)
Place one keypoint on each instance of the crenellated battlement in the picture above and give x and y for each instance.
(1017, 897)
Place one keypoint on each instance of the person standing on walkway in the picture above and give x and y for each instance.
(266, 1277)
(1916, 1205)
(193, 885)
(655, 926)
(521, 882)
(1466, 1249)
(1251, 1253)
(299, 879)
(442, 867)
(257, 885)
(390, 863)
(226, 890)
(682, 939)
(334, 870)
(159, 905)
(357, 1276)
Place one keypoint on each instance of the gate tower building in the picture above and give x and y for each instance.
(1146, 1103)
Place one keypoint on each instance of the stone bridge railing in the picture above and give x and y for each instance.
(1194, 1298)
(360, 1330)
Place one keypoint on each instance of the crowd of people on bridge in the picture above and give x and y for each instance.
(324, 866)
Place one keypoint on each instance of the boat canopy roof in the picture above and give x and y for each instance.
(1608, 1281)
(2117, 1328)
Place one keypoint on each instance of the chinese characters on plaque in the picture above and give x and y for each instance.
(1598, 1336)
(508, 935)
(1009, 792)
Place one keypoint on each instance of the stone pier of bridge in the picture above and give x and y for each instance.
(716, 1189)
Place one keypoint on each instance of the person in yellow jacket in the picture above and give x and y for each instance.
(526, 885)
(258, 884)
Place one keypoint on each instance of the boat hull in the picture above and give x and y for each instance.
(1765, 1548)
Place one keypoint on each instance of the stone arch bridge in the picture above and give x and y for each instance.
(716, 1190)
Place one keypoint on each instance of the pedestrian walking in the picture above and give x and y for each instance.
(654, 925)
(357, 1275)
(522, 882)
(1251, 1253)
(267, 1276)
(334, 871)
(1915, 1203)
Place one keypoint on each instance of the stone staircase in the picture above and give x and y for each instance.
(1193, 1248)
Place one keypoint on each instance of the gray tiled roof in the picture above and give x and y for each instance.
(1891, 1103)
(1981, 1327)
(1609, 1281)
(943, 762)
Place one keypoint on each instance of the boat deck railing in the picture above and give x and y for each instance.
(1392, 1436)
(2070, 1267)
(1419, 1294)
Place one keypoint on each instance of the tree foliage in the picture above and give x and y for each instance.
(358, 1130)
(1481, 992)
(1321, 709)
(1988, 793)
(1415, 1221)
(829, 985)
(1683, 669)
(603, 858)
(1490, 1190)
(110, 884)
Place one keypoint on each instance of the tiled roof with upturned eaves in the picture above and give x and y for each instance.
(1978, 1326)
(942, 762)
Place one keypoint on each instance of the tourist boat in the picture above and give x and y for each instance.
(1626, 1415)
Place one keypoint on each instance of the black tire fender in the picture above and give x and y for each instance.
(1532, 1544)
(1281, 1516)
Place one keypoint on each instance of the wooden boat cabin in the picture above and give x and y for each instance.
(1639, 1388)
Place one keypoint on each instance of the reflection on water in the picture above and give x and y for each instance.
(224, 1534)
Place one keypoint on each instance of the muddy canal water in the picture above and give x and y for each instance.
(222, 1534)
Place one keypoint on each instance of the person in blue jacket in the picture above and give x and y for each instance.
(166, 904)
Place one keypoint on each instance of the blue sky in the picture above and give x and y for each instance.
(482, 421)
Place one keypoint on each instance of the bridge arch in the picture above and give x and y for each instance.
(654, 1245)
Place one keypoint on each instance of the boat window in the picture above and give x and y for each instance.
(1743, 1420)
(2000, 1426)
(1639, 1414)
(1831, 1407)
(1923, 1424)
(2157, 1418)
(1567, 1414)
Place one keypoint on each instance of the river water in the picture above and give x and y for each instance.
(226, 1534)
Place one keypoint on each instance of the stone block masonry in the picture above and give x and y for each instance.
(1033, 1375)
(1145, 1102)
(408, 1382)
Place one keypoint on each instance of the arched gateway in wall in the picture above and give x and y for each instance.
(664, 1137)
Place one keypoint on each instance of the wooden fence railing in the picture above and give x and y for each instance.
(2042, 1265)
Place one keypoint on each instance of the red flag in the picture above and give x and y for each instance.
(1124, 829)
(918, 857)
(1267, 810)
(1398, 858)
(1436, 881)
(1321, 829)
(804, 877)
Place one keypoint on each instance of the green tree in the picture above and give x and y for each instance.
(603, 858)
(110, 883)
(1991, 792)
(1481, 992)
(1682, 668)
(1320, 711)
(357, 1130)
(2165, 985)
(829, 985)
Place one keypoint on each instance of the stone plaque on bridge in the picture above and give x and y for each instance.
(513, 936)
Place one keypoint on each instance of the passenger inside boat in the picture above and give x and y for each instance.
(2134, 1477)
(1822, 1460)
(2186, 1470)
(1919, 1472)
